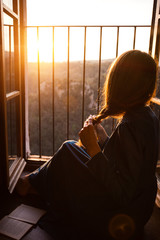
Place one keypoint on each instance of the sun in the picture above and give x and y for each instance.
(51, 43)
(39, 40)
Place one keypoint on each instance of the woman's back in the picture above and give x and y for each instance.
(133, 152)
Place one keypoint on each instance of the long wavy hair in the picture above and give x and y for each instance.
(130, 82)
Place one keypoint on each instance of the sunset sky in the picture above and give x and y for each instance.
(86, 12)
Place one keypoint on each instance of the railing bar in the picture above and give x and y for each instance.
(117, 45)
(99, 77)
(8, 25)
(117, 41)
(84, 73)
(68, 85)
(134, 40)
(10, 88)
(10, 67)
(149, 51)
(39, 96)
(92, 26)
(53, 109)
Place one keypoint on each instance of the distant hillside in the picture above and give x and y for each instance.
(60, 99)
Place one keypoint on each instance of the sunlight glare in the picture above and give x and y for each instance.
(76, 43)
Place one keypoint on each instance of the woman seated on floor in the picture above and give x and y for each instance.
(91, 184)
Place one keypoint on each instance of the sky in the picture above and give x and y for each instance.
(86, 12)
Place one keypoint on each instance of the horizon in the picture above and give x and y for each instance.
(74, 61)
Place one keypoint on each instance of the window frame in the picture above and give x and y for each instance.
(9, 176)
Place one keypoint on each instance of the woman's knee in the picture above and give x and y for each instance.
(68, 143)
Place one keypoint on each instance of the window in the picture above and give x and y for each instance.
(10, 96)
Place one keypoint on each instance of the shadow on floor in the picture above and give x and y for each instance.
(9, 202)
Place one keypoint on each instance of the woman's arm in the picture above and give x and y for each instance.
(118, 167)
(101, 134)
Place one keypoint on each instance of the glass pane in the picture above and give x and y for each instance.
(9, 53)
(9, 3)
(12, 131)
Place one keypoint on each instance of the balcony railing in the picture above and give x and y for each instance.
(38, 69)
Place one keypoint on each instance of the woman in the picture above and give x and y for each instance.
(91, 186)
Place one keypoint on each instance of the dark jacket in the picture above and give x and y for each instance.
(126, 166)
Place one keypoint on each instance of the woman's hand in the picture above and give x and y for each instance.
(88, 138)
(100, 131)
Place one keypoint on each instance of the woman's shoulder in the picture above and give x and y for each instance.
(140, 115)
(141, 121)
(138, 127)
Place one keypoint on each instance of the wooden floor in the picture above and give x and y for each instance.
(9, 202)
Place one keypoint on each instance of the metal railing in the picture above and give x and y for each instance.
(101, 29)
